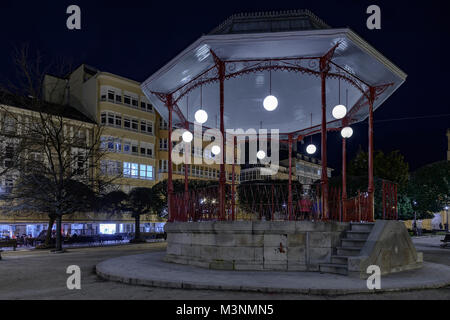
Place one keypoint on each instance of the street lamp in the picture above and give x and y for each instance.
(415, 218)
(201, 116)
(346, 132)
(311, 149)
(446, 223)
(339, 111)
(215, 150)
(270, 103)
(187, 136)
(261, 154)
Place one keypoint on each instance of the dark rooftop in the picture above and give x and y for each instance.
(27, 103)
(272, 21)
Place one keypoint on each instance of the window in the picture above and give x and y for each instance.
(111, 95)
(111, 119)
(163, 165)
(134, 124)
(36, 157)
(117, 145)
(127, 99)
(162, 124)
(127, 146)
(163, 143)
(80, 162)
(9, 125)
(146, 127)
(126, 123)
(134, 102)
(130, 170)
(118, 121)
(146, 149)
(146, 172)
(118, 98)
(9, 151)
(134, 147)
(109, 167)
(110, 144)
(9, 183)
(145, 106)
(81, 136)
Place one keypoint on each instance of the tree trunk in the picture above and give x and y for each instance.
(48, 236)
(137, 227)
(58, 234)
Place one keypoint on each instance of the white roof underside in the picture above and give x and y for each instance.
(299, 95)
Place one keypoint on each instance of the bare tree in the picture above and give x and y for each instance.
(56, 152)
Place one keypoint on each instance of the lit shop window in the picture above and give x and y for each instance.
(106, 228)
(146, 172)
(130, 170)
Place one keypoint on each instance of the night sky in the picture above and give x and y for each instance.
(135, 38)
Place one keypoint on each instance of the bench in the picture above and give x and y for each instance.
(8, 243)
(446, 240)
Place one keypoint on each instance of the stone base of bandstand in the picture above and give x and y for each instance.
(224, 255)
(288, 246)
(253, 245)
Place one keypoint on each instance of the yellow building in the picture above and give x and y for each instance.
(135, 135)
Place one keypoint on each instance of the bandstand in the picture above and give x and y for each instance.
(283, 71)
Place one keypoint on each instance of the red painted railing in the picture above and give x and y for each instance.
(389, 196)
(357, 208)
(269, 201)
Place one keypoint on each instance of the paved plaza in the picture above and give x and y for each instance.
(42, 275)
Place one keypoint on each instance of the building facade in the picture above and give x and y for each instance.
(134, 137)
(305, 170)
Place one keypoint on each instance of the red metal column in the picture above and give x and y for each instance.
(290, 179)
(233, 186)
(344, 177)
(169, 103)
(187, 154)
(221, 66)
(370, 188)
(324, 176)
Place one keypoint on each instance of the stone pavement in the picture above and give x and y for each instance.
(149, 270)
(39, 274)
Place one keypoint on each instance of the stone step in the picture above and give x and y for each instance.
(353, 243)
(361, 226)
(333, 268)
(357, 234)
(341, 251)
(339, 259)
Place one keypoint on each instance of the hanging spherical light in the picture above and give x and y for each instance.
(311, 149)
(215, 150)
(201, 116)
(187, 136)
(339, 111)
(261, 154)
(346, 132)
(270, 103)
